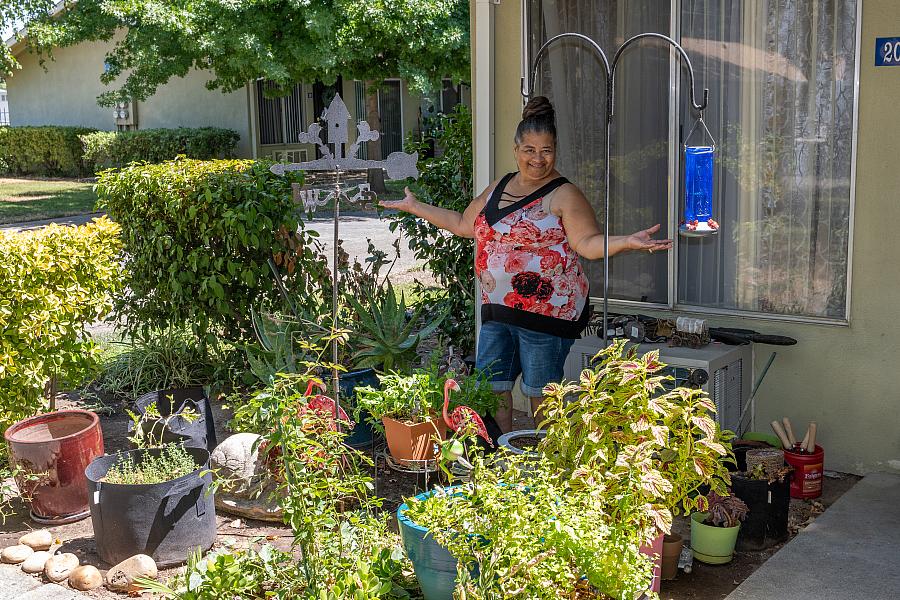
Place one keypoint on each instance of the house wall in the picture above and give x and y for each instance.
(841, 376)
(66, 94)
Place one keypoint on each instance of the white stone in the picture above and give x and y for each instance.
(15, 554)
(85, 577)
(40, 539)
(59, 567)
(121, 577)
(247, 485)
(35, 563)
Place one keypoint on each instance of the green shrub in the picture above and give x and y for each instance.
(53, 282)
(105, 149)
(49, 150)
(445, 181)
(197, 237)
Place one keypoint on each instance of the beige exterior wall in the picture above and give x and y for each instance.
(844, 377)
(66, 94)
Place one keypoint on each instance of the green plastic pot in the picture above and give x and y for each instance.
(712, 545)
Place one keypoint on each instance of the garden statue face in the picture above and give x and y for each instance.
(536, 155)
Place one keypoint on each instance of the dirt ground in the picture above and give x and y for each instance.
(703, 582)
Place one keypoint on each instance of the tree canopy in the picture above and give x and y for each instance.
(284, 41)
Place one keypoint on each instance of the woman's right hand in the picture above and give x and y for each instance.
(407, 204)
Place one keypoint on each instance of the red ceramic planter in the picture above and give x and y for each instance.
(52, 451)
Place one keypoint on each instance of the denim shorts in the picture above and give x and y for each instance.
(505, 351)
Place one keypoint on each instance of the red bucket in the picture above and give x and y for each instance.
(806, 482)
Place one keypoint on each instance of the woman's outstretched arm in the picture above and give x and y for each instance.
(461, 224)
(584, 233)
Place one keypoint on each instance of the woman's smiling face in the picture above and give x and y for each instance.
(536, 155)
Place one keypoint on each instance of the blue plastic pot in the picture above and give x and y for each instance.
(361, 436)
(434, 566)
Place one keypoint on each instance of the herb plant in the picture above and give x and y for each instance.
(420, 395)
(172, 462)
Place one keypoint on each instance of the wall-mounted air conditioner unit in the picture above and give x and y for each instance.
(724, 372)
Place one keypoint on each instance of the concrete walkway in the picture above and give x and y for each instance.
(851, 551)
(16, 585)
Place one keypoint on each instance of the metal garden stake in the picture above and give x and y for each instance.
(398, 165)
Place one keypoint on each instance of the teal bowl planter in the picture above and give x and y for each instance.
(433, 564)
(712, 545)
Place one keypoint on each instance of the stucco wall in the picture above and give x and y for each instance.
(66, 94)
(844, 377)
(185, 102)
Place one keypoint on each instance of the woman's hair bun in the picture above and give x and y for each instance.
(539, 108)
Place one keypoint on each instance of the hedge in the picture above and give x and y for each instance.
(51, 150)
(105, 149)
(197, 236)
(53, 282)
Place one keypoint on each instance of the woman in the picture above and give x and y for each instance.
(530, 227)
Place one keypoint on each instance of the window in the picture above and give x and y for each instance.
(781, 77)
(280, 119)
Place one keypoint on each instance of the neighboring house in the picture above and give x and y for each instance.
(4, 107)
(805, 182)
(66, 94)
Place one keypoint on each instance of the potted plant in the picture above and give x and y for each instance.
(619, 416)
(522, 530)
(714, 532)
(407, 408)
(766, 490)
(49, 453)
(404, 408)
(154, 500)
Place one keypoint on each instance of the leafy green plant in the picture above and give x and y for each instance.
(198, 238)
(387, 335)
(725, 511)
(149, 427)
(172, 462)
(230, 573)
(445, 181)
(105, 149)
(53, 282)
(522, 531)
(46, 150)
(618, 418)
(164, 359)
(420, 395)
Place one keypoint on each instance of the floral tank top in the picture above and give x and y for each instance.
(530, 276)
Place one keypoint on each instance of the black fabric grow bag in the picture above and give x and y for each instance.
(165, 520)
(767, 522)
(200, 433)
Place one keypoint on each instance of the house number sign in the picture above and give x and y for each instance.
(887, 52)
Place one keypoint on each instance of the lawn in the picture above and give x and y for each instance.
(36, 199)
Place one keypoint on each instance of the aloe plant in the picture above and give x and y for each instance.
(386, 335)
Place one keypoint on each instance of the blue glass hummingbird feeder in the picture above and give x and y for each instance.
(698, 186)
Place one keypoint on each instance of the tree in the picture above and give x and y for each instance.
(284, 41)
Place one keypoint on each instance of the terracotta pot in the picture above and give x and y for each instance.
(412, 442)
(670, 554)
(52, 450)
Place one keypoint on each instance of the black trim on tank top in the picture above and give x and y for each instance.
(492, 211)
(535, 322)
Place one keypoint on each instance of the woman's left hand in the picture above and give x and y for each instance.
(643, 240)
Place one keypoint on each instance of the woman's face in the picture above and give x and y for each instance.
(536, 155)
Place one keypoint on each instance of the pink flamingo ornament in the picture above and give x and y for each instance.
(463, 415)
(322, 404)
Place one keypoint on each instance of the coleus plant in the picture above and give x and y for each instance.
(649, 445)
